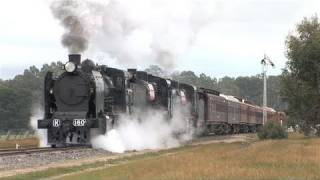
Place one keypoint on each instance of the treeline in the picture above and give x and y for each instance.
(247, 87)
(19, 96)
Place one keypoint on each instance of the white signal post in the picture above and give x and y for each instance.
(265, 62)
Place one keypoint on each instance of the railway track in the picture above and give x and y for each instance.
(33, 150)
(12, 152)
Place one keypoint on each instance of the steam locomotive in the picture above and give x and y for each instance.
(87, 99)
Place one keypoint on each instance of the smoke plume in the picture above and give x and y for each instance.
(133, 32)
(77, 21)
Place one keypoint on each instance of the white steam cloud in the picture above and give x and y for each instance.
(133, 32)
(152, 130)
(37, 113)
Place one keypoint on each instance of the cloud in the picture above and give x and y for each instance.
(239, 33)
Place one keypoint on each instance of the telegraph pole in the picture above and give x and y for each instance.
(265, 62)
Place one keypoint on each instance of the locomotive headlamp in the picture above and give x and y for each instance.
(70, 67)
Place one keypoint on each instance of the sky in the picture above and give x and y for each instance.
(231, 44)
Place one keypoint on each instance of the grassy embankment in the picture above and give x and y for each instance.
(295, 158)
(23, 143)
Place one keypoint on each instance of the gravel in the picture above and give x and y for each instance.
(46, 158)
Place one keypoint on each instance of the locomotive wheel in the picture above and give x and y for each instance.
(253, 129)
(236, 129)
(229, 129)
(246, 128)
(241, 128)
(220, 129)
(206, 132)
(233, 129)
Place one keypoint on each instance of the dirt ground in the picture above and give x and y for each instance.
(23, 143)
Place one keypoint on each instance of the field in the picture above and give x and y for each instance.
(295, 158)
(23, 143)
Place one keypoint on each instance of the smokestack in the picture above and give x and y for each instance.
(75, 58)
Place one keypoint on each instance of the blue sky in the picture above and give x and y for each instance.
(231, 45)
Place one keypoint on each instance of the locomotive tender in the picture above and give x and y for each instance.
(88, 99)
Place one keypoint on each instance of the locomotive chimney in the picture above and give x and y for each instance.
(75, 58)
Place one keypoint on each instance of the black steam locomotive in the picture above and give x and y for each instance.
(88, 99)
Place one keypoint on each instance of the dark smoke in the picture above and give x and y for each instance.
(75, 37)
(133, 32)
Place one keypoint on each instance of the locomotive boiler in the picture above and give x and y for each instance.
(87, 99)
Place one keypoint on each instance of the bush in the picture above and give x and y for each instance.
(272, 130)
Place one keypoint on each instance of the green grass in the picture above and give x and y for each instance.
(290, 159)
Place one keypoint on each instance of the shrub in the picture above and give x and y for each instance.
(272, 130)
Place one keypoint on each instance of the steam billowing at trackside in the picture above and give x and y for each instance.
(133, 32)
(148, 130)
(37, 113)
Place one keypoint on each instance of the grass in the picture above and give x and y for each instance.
(26, 142)
(293, 158)
(59, 171)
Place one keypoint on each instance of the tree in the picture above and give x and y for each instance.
(187, 77)
(155, 70)
(227, 86)
(250, 88)
(275, 99)
(14, 108)
(301, 78)
(207, 81)
(19, 94)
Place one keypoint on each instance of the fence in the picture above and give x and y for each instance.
(16, 134)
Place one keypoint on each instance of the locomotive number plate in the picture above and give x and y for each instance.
(56, 123)
(79, 122)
